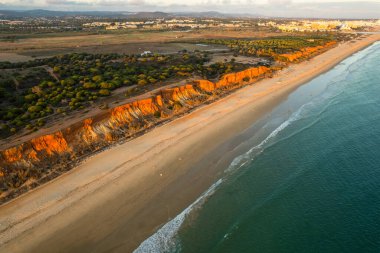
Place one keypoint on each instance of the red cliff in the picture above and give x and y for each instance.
(37, 157)
(306, 52)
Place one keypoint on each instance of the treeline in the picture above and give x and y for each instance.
(272, 47)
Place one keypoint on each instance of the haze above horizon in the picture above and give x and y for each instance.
(271, 8)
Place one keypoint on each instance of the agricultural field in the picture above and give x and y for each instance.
(128, 42)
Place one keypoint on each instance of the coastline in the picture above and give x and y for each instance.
(132, 187)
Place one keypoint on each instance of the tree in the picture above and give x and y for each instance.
(104, 92)
(37, 90)
(152, 80)
(97, 78)
(89, 85)
(31, 97)
(142, 82)
(34, 108)
(104, 85)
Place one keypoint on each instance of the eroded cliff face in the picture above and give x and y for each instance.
(306, 52)
(37, 158)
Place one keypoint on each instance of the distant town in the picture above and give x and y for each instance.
(300, 25)
(93, 23)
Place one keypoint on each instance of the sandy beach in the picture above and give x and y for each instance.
(117, 198)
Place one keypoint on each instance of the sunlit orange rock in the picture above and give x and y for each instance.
(306, 52)
(89, 134)
(179, 94)
(121, 114)
(239, 77)
(12, 154)
(51, 144)
(127, 113)
(205, 85)
(33, 155)
(145, 106)
(159, 100)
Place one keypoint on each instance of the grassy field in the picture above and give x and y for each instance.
(128, 42)
(14, 57)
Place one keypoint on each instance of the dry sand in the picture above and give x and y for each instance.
(117, 198)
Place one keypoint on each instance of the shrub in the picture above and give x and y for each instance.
(152, 80)
(51, 84)
(104, 85)
(89, 85)
(19, 122)
(40, 122)
(9, 115)
(3, 127)
(34, 108)
(104, 92)
(40, 103)
(48, 110)
(30, 97)
(97, 78)
(142, 82)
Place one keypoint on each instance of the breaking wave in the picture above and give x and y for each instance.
(164, 240)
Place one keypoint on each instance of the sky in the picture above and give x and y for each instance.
(274, 8)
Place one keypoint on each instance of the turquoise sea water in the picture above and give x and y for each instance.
(306, 178)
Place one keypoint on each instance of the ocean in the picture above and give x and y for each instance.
(306, 178)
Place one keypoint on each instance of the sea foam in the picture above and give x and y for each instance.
(241, 160)
(164, 240)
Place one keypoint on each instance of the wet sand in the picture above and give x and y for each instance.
(117, 198)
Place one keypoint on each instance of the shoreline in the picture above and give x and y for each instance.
(145, 188)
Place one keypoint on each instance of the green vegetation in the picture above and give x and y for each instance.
(34, 90)
(272, 47)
